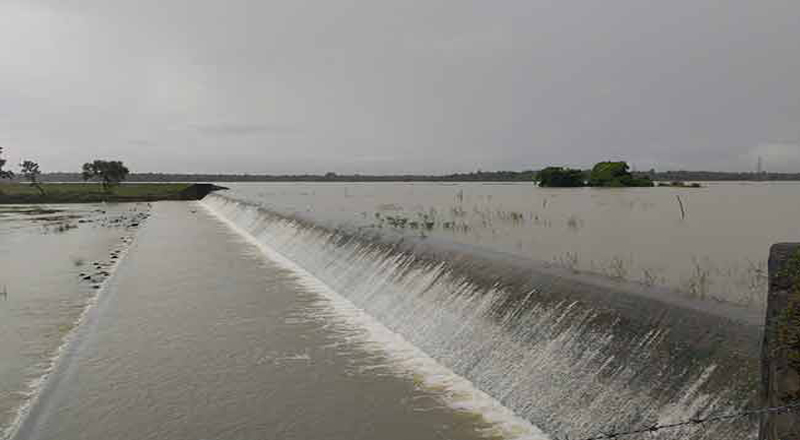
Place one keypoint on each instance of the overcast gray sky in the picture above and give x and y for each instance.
(380, 86)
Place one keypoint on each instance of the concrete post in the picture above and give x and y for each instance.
(780, 360)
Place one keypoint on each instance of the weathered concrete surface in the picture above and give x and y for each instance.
(780, 365)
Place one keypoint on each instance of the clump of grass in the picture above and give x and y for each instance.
(397, 222)
(650, 277)
(458, 211)
(569, 260)
(699, 282)
(755, 281)
(574, 223)
(462, 227)
(541, 221)
(617, 268)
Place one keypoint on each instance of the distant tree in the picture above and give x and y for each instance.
(616, 174)
(30, 170)
(4, 174)
(560, 177)
(109, 172)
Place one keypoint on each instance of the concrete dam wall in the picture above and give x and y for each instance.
(574, 354)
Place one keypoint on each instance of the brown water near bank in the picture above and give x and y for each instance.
(53, 260)
(199, 336)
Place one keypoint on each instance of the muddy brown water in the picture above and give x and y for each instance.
(718, 249)
(43, 252)
(198, 336)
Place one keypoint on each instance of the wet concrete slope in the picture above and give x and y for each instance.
(199, 336)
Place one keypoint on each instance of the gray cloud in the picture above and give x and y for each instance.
(244, 129)
(449, 85)
(142, 143)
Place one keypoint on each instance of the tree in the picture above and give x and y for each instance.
(109, 172)
(560, 177)
(30, 170)
(4, 174)
(616, 174)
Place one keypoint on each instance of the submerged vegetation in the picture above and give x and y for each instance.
(528, 226)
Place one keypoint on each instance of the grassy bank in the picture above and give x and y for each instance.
(93, 192)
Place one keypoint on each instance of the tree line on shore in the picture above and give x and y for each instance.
(109, 173)
(117, 173)
(484, 176)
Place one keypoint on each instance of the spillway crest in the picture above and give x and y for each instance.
(572, 357)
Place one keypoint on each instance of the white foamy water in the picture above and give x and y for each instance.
(200, 335)
(542, 346)
(406, 359)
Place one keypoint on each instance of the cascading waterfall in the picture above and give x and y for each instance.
(570, 357)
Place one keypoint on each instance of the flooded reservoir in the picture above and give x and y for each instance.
(397, 311)
(717, 247)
